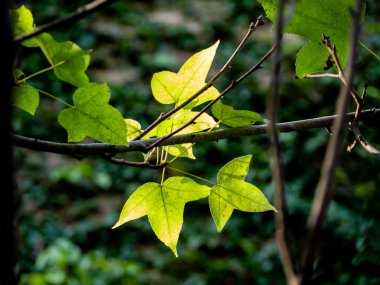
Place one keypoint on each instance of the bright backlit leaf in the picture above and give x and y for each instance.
(232, 192)
(175, 88)
(23, 22)
(70, 60)
(234, 118)
(26, 98)
(92, 116)
(311, 20)
(176, 121)
(133, 128)
(164, 205)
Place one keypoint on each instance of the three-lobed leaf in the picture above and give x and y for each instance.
(232, 192)
(92, 116)
(234, 118)
(69, 60)
(175, 88)
(164, 205)
(311, 20)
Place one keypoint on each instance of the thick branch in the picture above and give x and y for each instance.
(65, 20)
(85, 149)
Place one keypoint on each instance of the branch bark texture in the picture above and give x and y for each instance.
(86, 149)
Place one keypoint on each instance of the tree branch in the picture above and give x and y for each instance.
(65, 20)
(86, 149)
(324, 191)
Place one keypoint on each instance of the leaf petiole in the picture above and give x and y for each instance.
(40, 72)
(53, 97)
(191, 175)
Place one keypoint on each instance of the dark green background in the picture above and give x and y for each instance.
(67, 206)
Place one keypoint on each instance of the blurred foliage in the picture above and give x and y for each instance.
(67, 206)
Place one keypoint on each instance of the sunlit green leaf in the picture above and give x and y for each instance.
(26, 98)
(92, 116)
(23, 22)
(232, 192)
(170, 88)
(234, 118)
(134, 128)
(311, 20)
(164, 204)
(176, 121)
(70, 60)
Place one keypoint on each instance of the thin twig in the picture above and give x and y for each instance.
(275, 153)
(324, 191)
(86, 149)
(209, 105)
(163, 117)
(68, 19)
(321, 75)
(121, 161)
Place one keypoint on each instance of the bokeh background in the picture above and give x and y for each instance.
(68, 206)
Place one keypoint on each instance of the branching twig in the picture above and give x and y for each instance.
(86, 149)
(144, 164)
(209, 105)
(68, 19)
(325, 184)
(163, 117)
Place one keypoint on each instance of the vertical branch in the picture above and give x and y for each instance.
(7, 208)
(324, 190)
(274, 149)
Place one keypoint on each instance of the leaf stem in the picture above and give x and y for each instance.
(163, 175)
(53, 97)
(40, 72)
(369, 50)
(191, 175)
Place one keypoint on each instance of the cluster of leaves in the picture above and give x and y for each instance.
(92, 116)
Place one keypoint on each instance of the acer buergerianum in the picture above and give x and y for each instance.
(197, 107)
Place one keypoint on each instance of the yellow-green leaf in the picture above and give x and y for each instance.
(175, 88)
(26, 98)
(23, 22)
(133, 127)
(164, 204)
(176, 121)
(232, 192)
(69, 59)
(234, 118)
(92, 116)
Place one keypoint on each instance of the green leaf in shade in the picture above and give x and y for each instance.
(164, 204)
(232, 192)
(176, 121)
(133, 128)
(170, 88)
(92, 116)
(234, 118)
(26, 98)
(311, 19)
(71, 60)
(23, 22)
